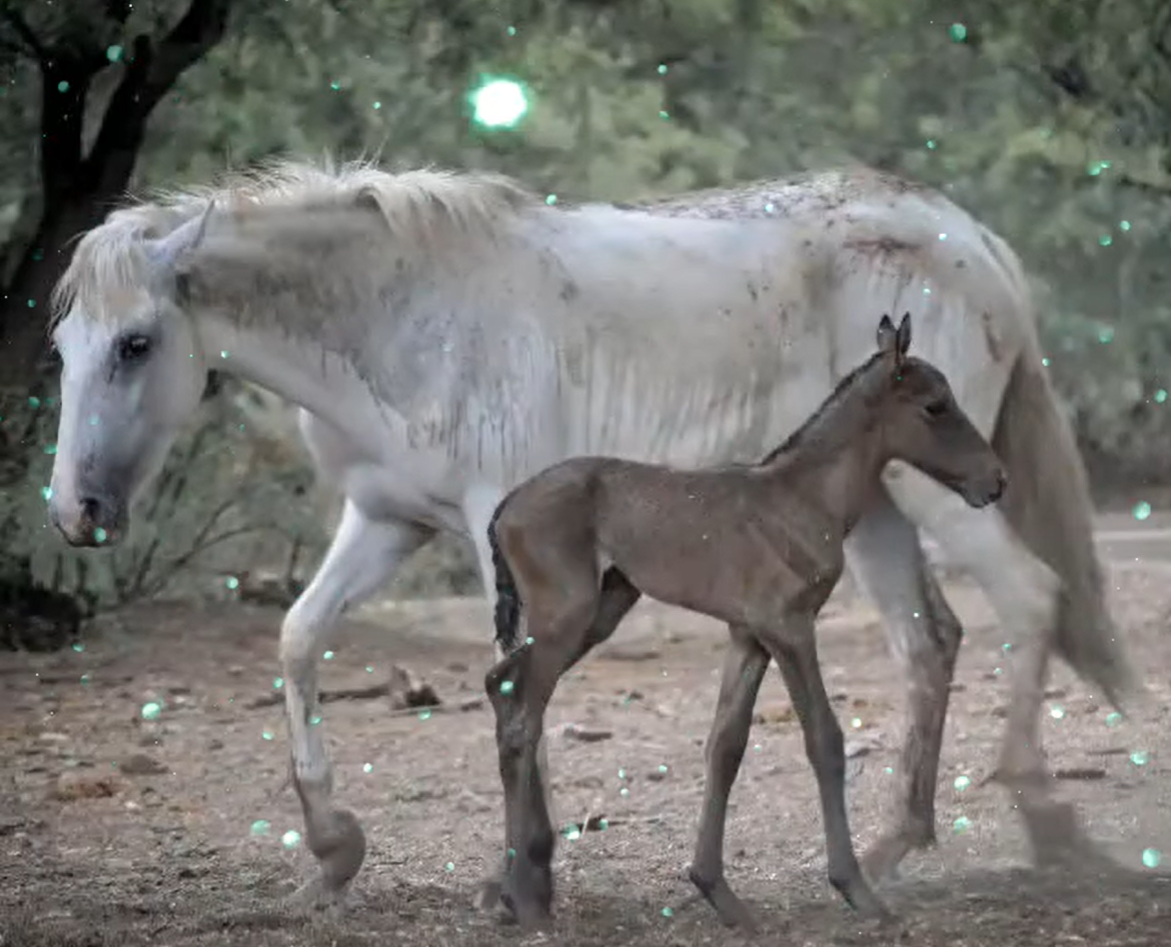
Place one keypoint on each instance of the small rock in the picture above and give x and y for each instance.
(72, 786)
(861, 745)
(407, 689)
(473, 703)
(140, 764)
(574, 731)
(457, 667)
(1080, 772)
(215, 744)
(629, 654)
(775, 713)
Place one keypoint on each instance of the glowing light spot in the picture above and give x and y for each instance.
(315, 720)
(1152, 857)
(958, 32)
(996, 672)
(223, 353)
(506, 687)
(114, 53)
(1140, 757)
(369, 669)
(499, 103)
(32, 304)
(424, 714)
(278, 683)
(151, 710)
(664, 114)
(961, 783)
(367, 768)
(571, 832)
(1105, 240)
(450, 866)
(34, 401)
(1045, 361)
(621, 774)
(511, 31)
(1142, 510)
(603, 824)
(624, 791)
(1113, 719)
(62, 86)
(291, 839)
(78, 647)
(335, 85)
(856, 723)
(932, 144)
(377, 106)
(550, 199)
(770, 208)
(668, 912)
(926, 290)
(889, 770)
(1056, 712)
(663, 768)
(50, 449)
(85, 679)
(1106, 335)
(1006, 647)
(260, 827)
(232, 582)
(266, 734)
(1161, 396)
(529, 640)
(47, 493)
(327, 656)
(943, 236)
(100, 535)
(662, 69)
(1124, 225)
(961, 825)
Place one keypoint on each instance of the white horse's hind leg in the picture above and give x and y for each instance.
(361, 558)
(924, 637)
(1023, 592)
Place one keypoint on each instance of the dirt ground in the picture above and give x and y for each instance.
(115, 830)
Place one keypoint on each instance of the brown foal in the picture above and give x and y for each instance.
(757, 546)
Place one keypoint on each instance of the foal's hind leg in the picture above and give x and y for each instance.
(794, 649)
(744, 666)
(362, 556)
(616, 597)
(924, 636)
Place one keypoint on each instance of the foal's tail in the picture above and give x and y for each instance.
(1048, 504)
(507, 613)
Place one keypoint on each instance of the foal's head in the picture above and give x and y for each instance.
(922, 424)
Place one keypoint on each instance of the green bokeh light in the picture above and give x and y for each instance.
(499, 102)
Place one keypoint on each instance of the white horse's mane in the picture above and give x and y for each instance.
(426, 209)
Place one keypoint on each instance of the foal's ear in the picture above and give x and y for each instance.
(887, 336)
(903, 335)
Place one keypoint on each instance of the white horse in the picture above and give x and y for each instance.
(449, 335)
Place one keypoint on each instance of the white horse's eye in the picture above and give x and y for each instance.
(133, 347)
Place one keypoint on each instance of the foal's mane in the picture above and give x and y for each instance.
(427, 208)
(814, 421)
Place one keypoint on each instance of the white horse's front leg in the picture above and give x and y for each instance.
(362, 556)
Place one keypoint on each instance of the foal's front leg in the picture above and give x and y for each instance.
(362, 556)
(744, 667)
(795, 650)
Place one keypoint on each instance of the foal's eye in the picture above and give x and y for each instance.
(132, 348)
(936, 408)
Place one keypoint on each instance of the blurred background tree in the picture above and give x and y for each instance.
(1048, 121)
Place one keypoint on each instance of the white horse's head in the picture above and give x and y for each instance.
(129, 382)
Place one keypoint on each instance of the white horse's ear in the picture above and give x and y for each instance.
(167, 251)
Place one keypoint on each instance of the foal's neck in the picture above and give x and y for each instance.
(835, 465)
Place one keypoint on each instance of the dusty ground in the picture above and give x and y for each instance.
(94, 852)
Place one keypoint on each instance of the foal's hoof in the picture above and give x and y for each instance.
(731, 911)
(532, 916)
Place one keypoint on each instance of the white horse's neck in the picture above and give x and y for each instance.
(300, 372)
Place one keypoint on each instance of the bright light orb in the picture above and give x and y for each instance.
(499, 103)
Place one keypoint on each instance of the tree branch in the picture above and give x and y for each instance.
(16, 21)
